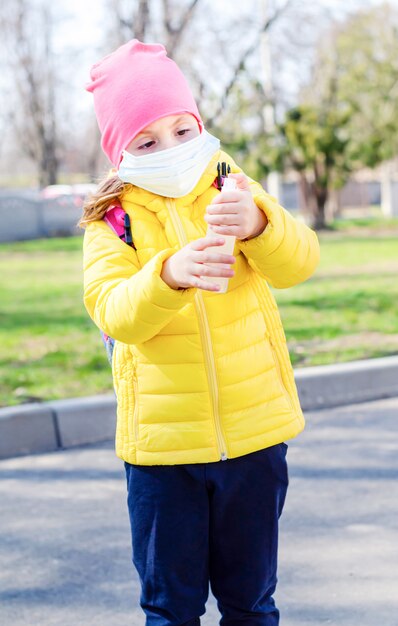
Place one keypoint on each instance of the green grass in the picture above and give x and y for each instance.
(49, 346)
(347, 310)
(51, 349)
(375, 222)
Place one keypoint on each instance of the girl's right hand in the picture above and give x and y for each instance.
(187, 267)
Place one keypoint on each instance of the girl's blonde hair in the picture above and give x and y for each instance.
(96, 204)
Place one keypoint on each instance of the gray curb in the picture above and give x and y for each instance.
(35, 428)
(328, 386)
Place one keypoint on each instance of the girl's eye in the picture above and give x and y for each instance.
(182, 132)
(146, 145)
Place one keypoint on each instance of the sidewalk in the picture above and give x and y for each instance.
(65, 537)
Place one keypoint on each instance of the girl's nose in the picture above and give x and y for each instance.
(170, 142)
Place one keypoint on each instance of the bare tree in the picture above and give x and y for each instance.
(175, 29)
(135, 18)
(240, 64)
(128, 20)
(31, 61)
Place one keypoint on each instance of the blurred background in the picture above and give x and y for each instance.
(303, 95)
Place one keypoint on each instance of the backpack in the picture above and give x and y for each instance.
(119, 221)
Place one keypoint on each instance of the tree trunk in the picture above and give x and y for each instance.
(35, 118)
(319, 221)
(314, 200)
(307, 198)
(49, 172)
(333, 205)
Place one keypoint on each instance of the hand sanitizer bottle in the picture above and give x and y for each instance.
(227, 248)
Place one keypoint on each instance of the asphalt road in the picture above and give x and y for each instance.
(65, 538)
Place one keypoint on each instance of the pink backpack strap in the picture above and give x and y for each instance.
(115, 218)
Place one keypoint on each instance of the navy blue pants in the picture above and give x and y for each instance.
(217, 522)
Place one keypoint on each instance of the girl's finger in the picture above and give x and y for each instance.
(205, 242)
(213, 257)
(241, 180)
(218, 270)
(225, 207)
(227, 196)
(231, 220)
(202, 284)
(227, 230)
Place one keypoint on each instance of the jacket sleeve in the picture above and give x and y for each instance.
(287, 251)
(128, 303)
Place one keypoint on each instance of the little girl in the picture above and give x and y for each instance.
(205, 389)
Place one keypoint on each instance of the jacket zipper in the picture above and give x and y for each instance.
(205, 336)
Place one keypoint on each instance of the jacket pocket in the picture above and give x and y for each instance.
(135, 410)
(279, 371)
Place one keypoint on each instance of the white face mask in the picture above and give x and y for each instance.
(173, 172)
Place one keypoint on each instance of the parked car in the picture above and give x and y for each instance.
(55, 191)
(65, 193)
(80, 191)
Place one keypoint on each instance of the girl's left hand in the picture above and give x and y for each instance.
(235, 212)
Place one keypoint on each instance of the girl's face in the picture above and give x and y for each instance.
(164, 133)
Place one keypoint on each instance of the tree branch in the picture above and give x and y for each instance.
(174, 34)
(240, 66)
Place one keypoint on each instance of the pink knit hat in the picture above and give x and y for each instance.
(132, 87)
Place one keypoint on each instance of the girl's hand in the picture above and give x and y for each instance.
(186, 267)
(235, 212)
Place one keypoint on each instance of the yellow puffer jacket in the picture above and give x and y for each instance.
(199, 376)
